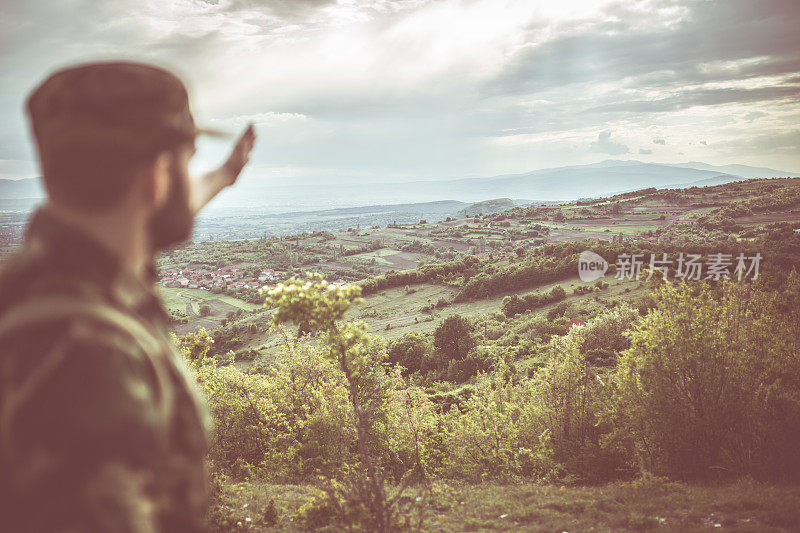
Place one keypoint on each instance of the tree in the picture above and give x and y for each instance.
(322, 306)
(196, 345)
(409, 351)
(453, 339)
(564, 397)
(205, 310)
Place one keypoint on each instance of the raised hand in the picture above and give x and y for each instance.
(240, 155)
(210, 184)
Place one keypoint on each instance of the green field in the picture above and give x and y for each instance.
(377, 255)
(175, 299)
(401, 309)
(642, 505)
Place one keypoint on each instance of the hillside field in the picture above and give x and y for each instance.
(505, 378)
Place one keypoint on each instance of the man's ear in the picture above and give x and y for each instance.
(157, 182)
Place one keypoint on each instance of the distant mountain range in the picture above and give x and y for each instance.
(552, 184)
(740, 170)
(22, 188)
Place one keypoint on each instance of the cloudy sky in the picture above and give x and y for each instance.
(417, 89)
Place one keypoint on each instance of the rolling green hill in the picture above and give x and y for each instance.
(489, 207)
(740, 214)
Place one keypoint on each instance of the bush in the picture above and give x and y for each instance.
(286, 424)
(460, 370)
(411, 351)
(565, 398)
(558, 311)
(514, 305)
(452, 339)
(706, 386)
(483, 440)
(604, 336)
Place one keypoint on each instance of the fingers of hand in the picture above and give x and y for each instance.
(240, 155)
(250, 135)
(246, 141)
(250, 140)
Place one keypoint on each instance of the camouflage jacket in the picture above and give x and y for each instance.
(101, 429)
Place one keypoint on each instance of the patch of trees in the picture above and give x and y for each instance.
(530, 271)
(178, 317)
(604, 337)
(719, 222)
(248, 295)
(370, 247)
(482, 279)
(451, 353)
(432, 273)
(634, 194)
(418, 247)
(324, 235)
(456, 355)
(515, 305)
(781, 199)
(710, 383)
(233, 336)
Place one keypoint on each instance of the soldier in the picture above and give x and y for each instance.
(100, 427)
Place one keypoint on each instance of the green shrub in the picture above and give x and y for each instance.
(604, 336)
(566, 398)
(514, 305)
(410, 351)
(483, 439)
(452, 339)
(708, 387)
(286, 424)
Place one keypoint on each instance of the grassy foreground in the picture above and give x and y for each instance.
(641, 505)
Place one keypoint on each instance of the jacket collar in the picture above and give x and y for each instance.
(80, 254)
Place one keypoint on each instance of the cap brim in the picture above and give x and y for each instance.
(213, 133)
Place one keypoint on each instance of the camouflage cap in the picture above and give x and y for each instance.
(123, 104)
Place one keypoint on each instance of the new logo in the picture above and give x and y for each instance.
(591, 266)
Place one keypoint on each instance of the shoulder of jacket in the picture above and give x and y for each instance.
(45, 338)
(62, 315)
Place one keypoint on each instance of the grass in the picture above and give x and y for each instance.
(377, 255)
(402, 310)
(175, 299)
(641, 505)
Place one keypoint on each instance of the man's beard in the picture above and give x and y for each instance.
(173, 223)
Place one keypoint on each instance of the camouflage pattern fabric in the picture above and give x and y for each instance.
(101, 429)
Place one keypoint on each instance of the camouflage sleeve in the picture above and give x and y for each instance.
(81, 433)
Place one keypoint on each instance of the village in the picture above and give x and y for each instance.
(224, 279)
(220, 280)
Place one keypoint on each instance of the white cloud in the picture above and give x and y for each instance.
(605, 145)
(442, 87)
(267, 119)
